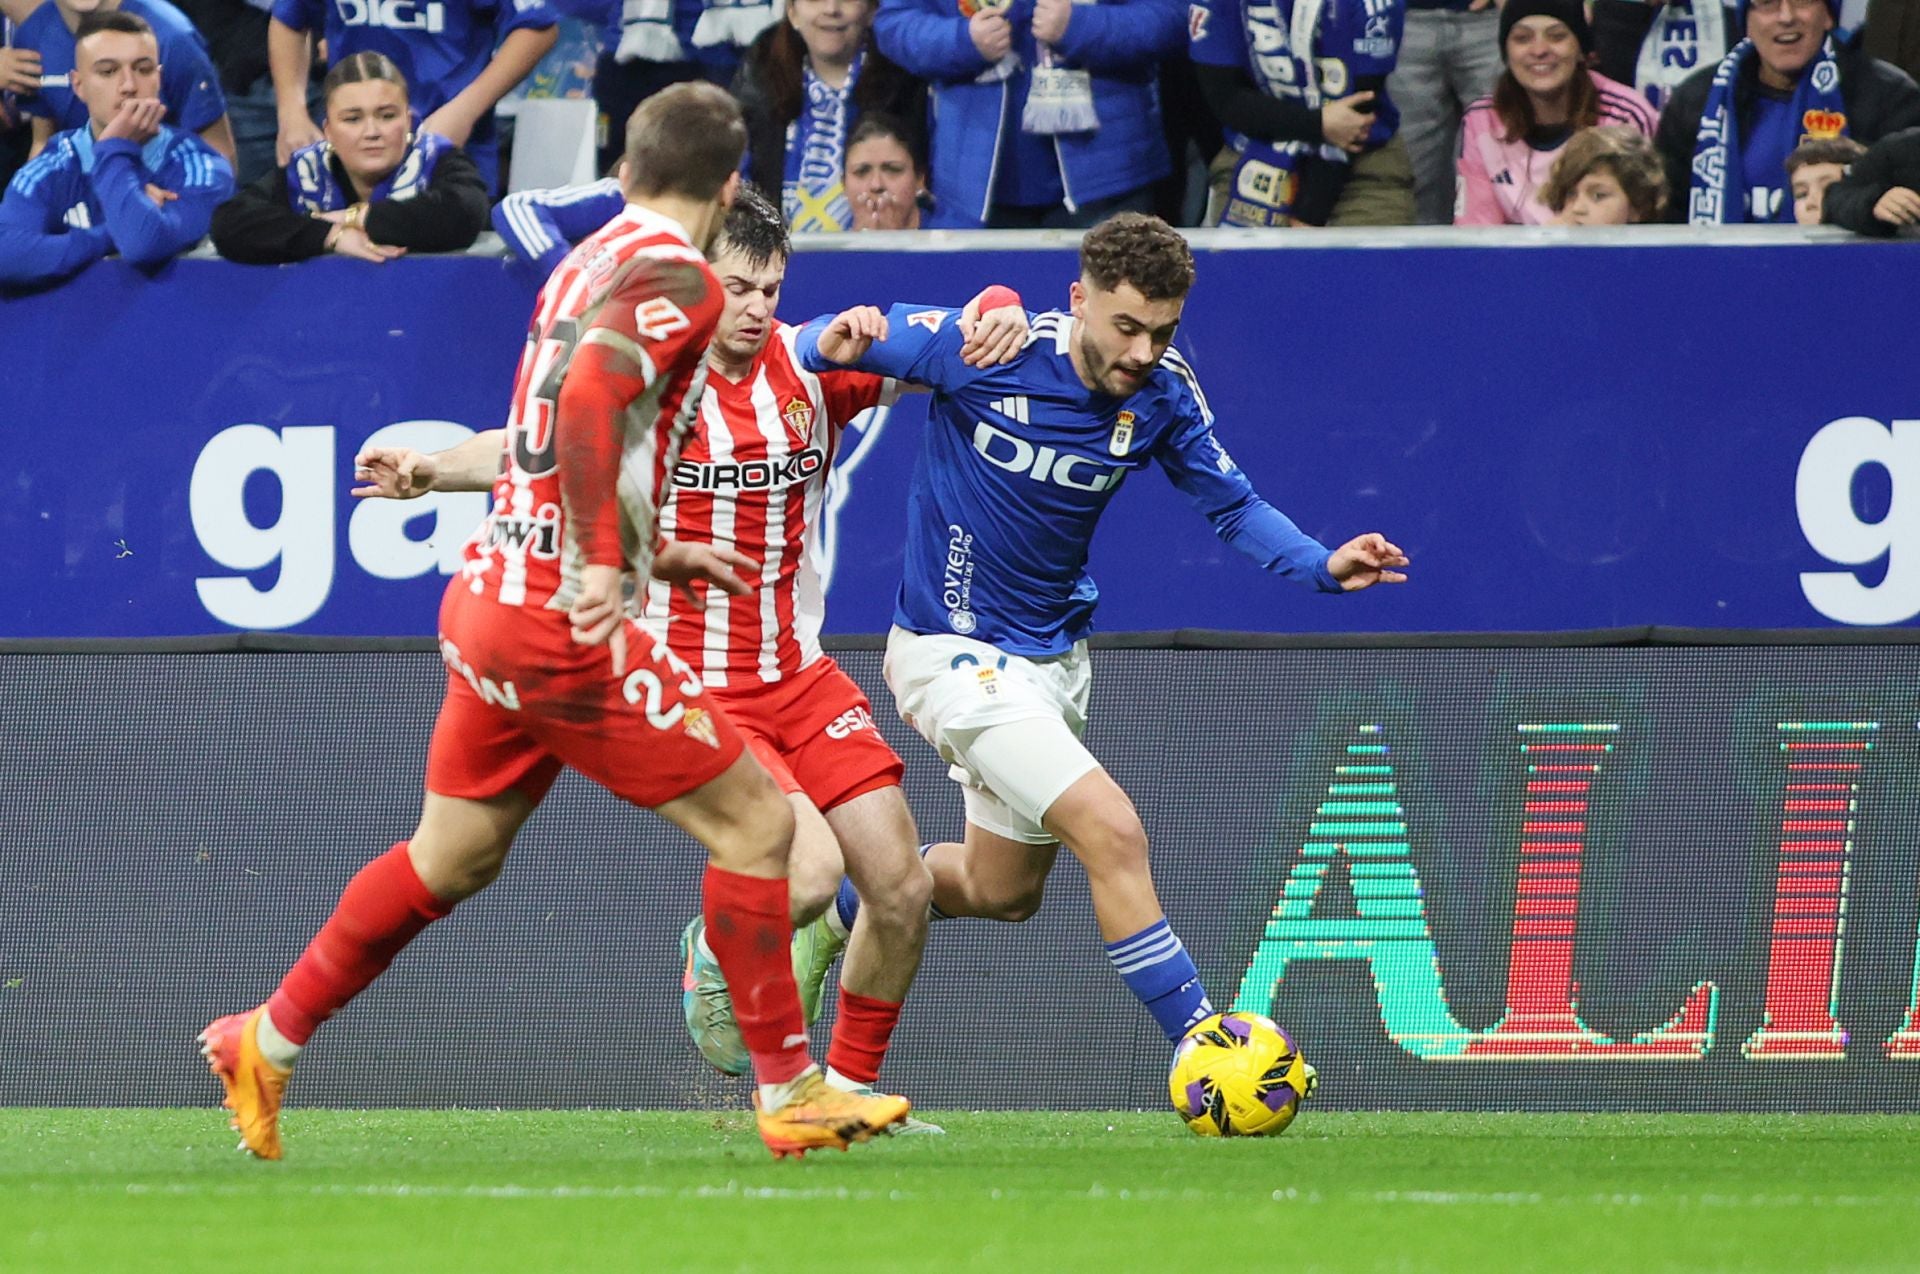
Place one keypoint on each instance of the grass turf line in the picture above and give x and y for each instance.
(135, 1190)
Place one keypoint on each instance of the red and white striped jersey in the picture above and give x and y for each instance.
(753, 477)
(605, 398)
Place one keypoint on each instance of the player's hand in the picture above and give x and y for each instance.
(852, 333)
(990, 34)
(160, 195)
(1898, 207)
(1344, 124)
(137, 120)
(295, 131)
(1366, 560)
(599, 613)
(393, 473)
(682, 564)
(1050, 18)
(20, 71)
(996, 336)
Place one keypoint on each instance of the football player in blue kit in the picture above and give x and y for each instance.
(988, 655)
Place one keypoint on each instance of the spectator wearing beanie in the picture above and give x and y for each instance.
(1726, 134)
(1546, 94)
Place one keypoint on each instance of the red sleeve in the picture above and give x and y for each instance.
(848, 394)
(654, 326)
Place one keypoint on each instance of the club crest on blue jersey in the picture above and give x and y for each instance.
(1122, 434)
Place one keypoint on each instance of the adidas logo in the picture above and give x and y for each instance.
(1014, 408)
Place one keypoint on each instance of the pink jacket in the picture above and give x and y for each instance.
(1499, 181)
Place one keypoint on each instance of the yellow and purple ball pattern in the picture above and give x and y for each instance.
(1237, 1075)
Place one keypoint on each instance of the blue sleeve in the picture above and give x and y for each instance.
(301, 15)
(541, 225)
(190, 86)
(1115, 39)
(922, 347)
(35, 245)
(1216, 33)
(523, 15)
(147, 233)
(1200, 467)
(928, 39)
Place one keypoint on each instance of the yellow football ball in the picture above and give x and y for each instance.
(1238, 1075)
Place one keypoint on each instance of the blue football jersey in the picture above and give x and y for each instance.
(188, 83)
(1020, 461)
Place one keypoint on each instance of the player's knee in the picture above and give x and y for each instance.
(901, 900)
(1111, 840)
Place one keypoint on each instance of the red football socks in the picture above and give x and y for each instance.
(860, 1035)
(749, 931)
(383, 908)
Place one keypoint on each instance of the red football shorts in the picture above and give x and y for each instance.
(523, 699)
(814, 733)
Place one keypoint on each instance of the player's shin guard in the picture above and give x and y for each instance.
(1156, 967)
(749, 930)
(860, 1035)
(382, 909)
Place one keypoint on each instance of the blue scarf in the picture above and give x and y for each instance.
(814, 190)
(311, 187)
(1261, 191)
(1717, 193)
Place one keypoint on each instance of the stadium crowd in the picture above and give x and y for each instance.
(367, 128)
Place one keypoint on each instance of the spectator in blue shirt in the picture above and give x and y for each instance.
(189, 86)
(459, 56)
(1044, 111)
(124, 181)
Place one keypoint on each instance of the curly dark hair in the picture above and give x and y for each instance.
(755, 230)
(1132, 247)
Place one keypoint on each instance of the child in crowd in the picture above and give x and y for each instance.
(1606, 176)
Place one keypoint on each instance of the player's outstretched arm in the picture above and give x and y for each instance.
(1366, 560)
(401, 473)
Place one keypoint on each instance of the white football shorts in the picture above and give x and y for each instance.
(1008, 727)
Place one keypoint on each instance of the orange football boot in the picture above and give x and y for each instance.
(820, 1117)
(254, 1086)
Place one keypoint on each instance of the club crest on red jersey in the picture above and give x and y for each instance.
(799, 416)
(698, 723)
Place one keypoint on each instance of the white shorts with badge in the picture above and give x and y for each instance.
(954, 690)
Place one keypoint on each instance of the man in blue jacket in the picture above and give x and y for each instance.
(1044, 111)
(189, 85)
(123, 181)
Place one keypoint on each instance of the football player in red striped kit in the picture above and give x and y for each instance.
(752, 482)
(545, 667)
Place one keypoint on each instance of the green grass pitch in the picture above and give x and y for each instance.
(133, 1190)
